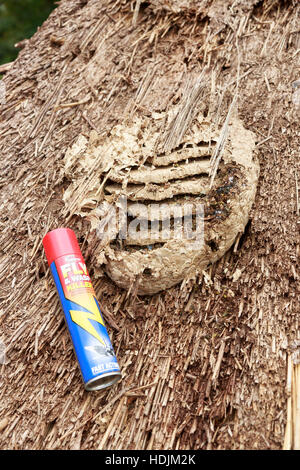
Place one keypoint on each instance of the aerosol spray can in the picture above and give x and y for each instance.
(95, 355)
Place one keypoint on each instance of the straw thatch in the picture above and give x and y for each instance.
(205, 363)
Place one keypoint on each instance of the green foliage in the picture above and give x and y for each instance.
(19, 19)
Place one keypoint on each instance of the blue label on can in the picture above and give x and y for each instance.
(83, 316)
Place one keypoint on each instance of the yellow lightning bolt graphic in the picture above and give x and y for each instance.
(83, 318)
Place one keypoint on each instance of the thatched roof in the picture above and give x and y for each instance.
(204, 363)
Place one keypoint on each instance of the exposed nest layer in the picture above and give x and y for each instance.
(131, 174)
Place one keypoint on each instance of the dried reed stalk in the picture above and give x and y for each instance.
(292, 433)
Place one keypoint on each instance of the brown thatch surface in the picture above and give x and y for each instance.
(204, 364)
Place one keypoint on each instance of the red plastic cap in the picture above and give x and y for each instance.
(60, 242)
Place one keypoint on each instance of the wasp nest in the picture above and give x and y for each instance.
(132, 191)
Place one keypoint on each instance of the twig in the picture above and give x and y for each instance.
(89, 122)
(215, 160)
(292, 431)
(264, 140)
(219, 361)
(70, 105)
(234, 80)
(267, 82)
(297, 195)
(136, 12)
(289, 426)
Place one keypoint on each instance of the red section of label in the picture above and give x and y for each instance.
(74, 277)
